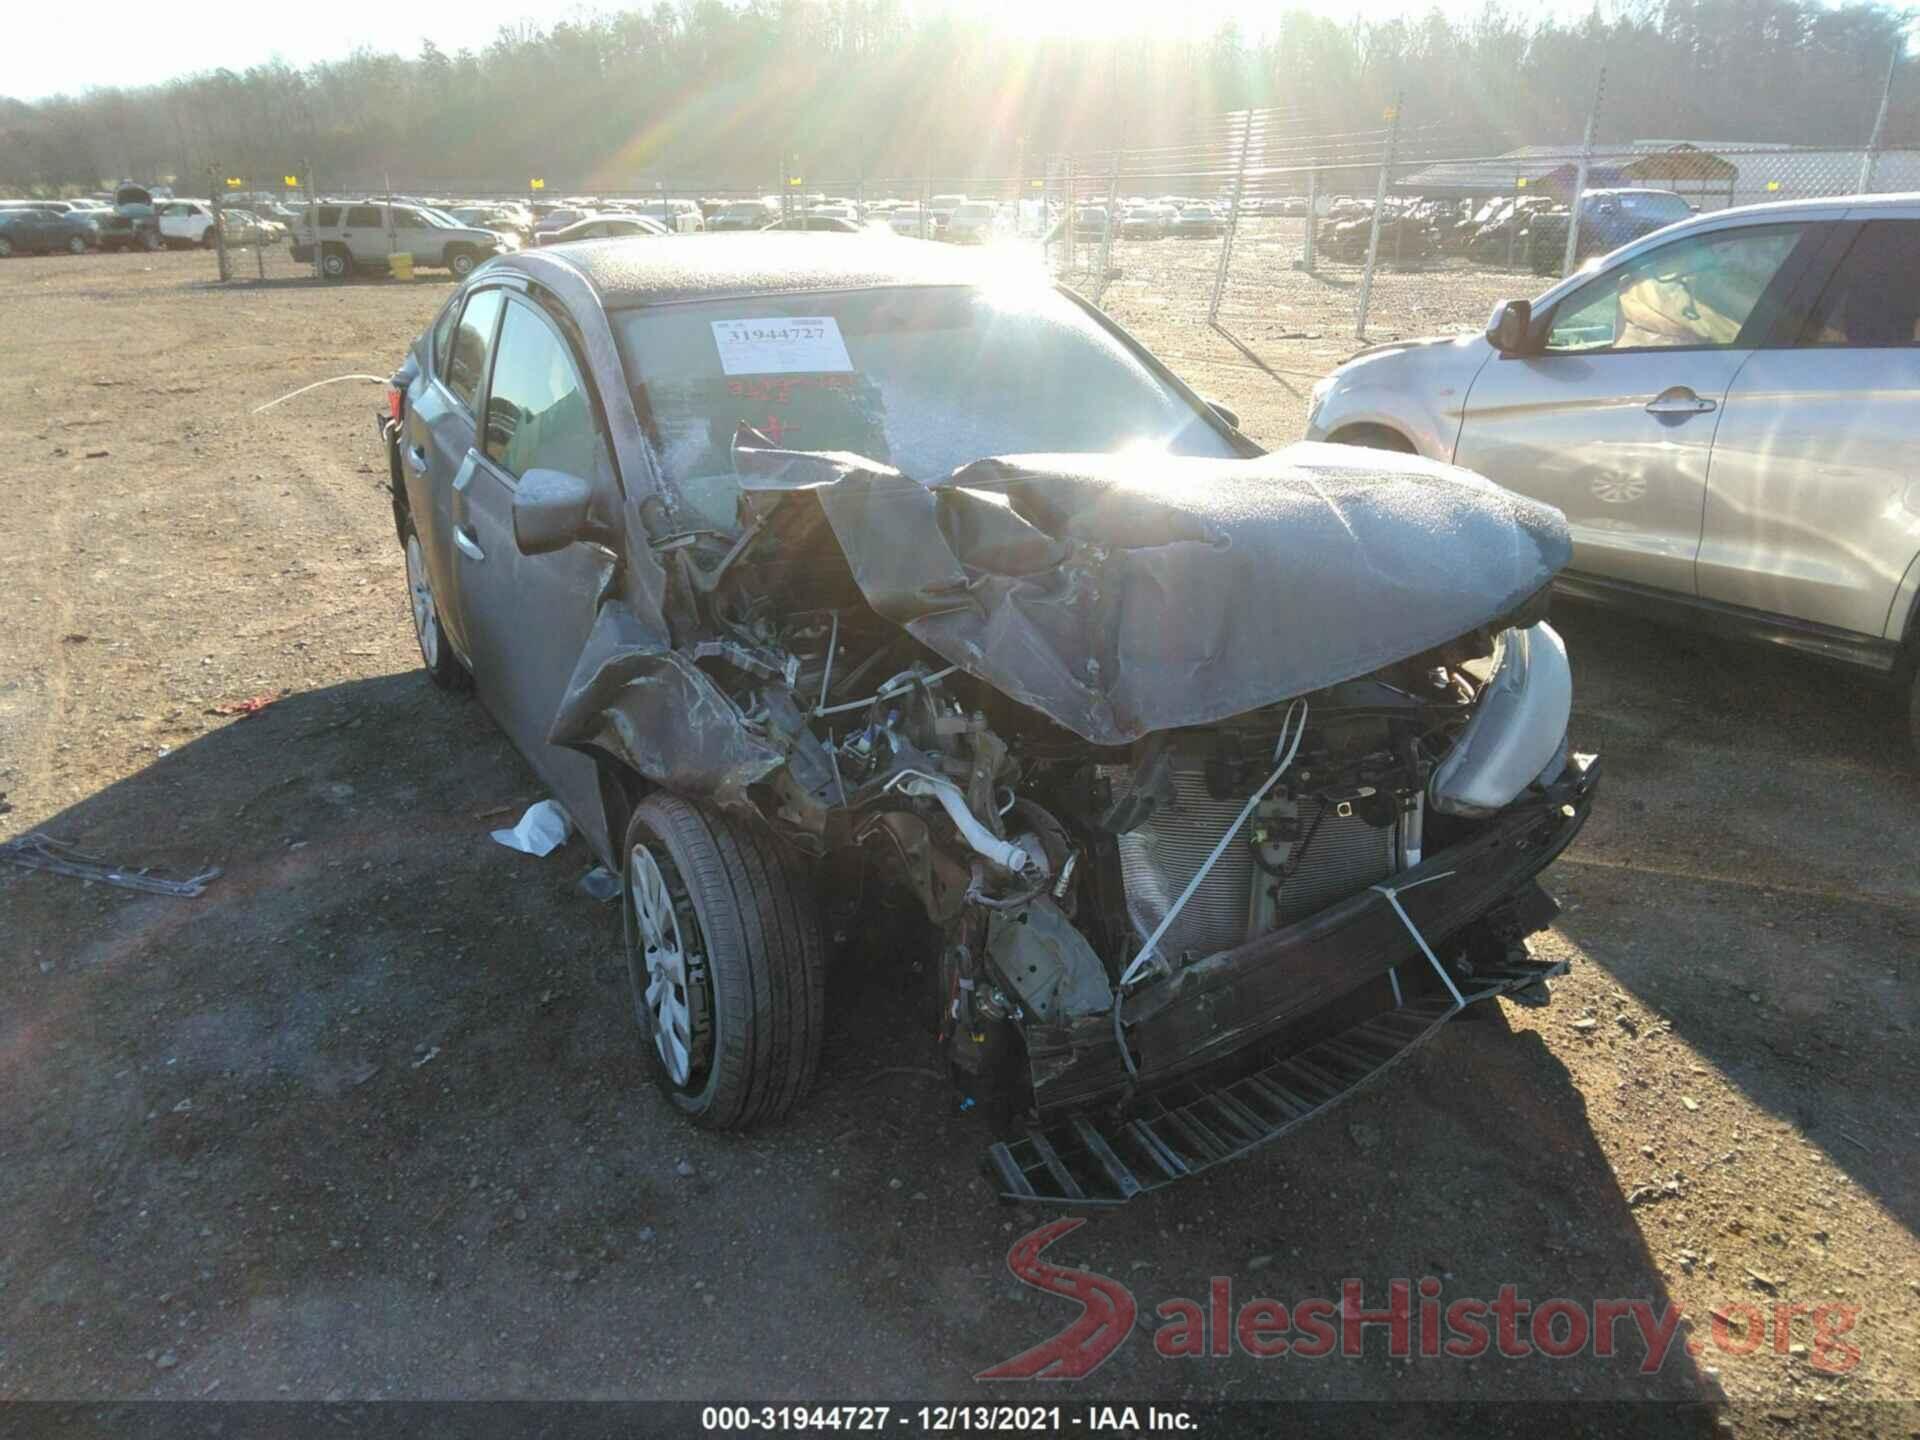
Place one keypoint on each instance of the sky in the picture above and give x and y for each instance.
(136, 42)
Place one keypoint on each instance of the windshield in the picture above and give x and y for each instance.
(924, 379)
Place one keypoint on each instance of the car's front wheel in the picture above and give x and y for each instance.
(461, 263)
(336, 263)
(76, 244)
(6, 248)
(209, 238)
(724, 964)
(443, 666)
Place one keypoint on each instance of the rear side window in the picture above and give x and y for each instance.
(1873, 299)
(363, 217)
(443, 336)
(329, 216)
(466, 361)
(538, 417)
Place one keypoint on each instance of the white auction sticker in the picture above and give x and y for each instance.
(782, 345)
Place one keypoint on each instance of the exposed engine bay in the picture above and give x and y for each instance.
(1115, 732)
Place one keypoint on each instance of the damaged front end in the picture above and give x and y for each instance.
(1222, 783)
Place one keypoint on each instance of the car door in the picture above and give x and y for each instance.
(173, 223)
(1612, 419)
(364, 233)
(1813, 498)
(440, 447)
(529, 615)
(415, 235)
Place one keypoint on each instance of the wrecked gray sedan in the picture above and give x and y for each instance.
(819, 581)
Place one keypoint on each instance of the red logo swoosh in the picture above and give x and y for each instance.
(1106, 1312)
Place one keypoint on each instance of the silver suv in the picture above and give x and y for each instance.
(364, 234)
(1728, 411)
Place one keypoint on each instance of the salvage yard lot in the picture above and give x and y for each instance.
(366, 1119)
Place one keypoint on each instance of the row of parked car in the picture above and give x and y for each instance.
(135, 218)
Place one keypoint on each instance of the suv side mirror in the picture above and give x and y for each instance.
(552, 510)
(1231, 417)
(1508, 326)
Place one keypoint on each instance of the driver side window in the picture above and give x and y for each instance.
(1693, 293)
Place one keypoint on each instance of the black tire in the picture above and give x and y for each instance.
(336, 262)
(1374, 437)
(210, 238)
(76, 245)
(461, 261)
(6, 248)
(443, 667)
(754, 964)
(150, 241)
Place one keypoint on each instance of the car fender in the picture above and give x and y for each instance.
(1418, 390)
(1903, 614)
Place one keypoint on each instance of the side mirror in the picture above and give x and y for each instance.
(552, 510)
(1507, 329)
(1232, 418)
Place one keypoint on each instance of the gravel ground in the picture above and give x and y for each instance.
(366, 1120)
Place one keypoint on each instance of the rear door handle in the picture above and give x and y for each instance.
(467, 545)
(1679, 400)
(417, 459)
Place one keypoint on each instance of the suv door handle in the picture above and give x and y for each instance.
(1679, 400)
(417, 459)
(467, 545)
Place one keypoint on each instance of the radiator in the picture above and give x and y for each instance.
(1160, 858)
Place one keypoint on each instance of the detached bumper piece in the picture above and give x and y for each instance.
(1187, 1129)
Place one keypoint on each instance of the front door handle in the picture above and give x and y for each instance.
(1679, 400)
(417, 459)
(466, 544)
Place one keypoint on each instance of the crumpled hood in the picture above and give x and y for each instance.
(1124, 594)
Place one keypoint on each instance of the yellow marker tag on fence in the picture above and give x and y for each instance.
(1773, 185)
(796, 180)
(292, 182)
(1037, 184)
(233, 183)
(536, 184)
(1521, 183)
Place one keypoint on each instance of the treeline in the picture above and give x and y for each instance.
(717, 93)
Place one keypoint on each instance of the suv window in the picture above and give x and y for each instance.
(409, 219)
(1694, 292)
(472, 338)
(538, 417)
(363, 217)
(1871, 301)
(328, 216)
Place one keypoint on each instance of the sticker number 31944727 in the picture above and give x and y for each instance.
(782, 345)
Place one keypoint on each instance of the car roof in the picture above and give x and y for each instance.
(766, 262)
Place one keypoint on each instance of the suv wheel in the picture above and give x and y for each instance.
(460, 262)
(336, 263)
(76, 245)
(724, 964)
(443, 666)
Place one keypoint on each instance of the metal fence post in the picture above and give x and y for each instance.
(1879, 121)
(1580, 178)
(1071, 215)
(313, 218)
(1233, 216)
(1373, 234)
(1313, 219)
(1106, 239)
(215, 184)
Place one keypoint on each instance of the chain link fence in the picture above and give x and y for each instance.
(1256, 223)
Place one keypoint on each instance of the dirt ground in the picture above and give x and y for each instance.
(367, 1120)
